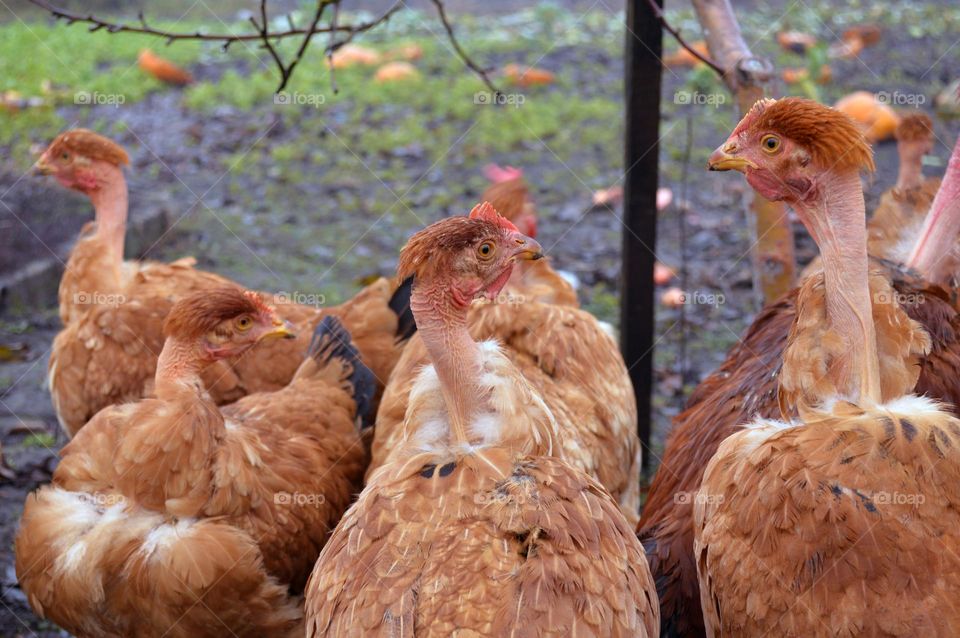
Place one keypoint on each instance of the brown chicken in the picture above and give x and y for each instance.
(846, 520)
(476, 527)
(571, 360)
(744, 387)
(510, 196)
(162, 504)
(113, 310)
(163, 69)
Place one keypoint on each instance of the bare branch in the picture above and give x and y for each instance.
(473, 66)
(657, 11)
(267, 38)
(739, 67)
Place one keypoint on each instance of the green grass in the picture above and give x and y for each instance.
(40, 439)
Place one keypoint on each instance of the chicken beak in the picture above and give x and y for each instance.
(41, 167)
(282, 329)
(725, 159)
(527, 249)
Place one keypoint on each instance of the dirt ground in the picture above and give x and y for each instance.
(274, 229)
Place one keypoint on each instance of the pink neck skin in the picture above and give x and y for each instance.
(441, 317)
(941, 226)
(835, 216)
(911, 153)
(106, 187)
(179, 367)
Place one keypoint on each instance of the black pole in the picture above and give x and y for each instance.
(642, 70)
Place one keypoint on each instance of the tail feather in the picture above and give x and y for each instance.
(331, 339)
(400, 304)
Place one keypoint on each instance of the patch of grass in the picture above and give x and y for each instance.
(40, 439)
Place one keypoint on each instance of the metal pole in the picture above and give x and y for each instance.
(642, 85)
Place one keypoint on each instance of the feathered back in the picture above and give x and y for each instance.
(81, 141)
(201, 312)
(831, 137)
(428, 252)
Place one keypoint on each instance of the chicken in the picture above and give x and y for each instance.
(475, 526)
(843, 521)
(746, 386)
(163, 69)
(575, 366)
(510, 196)
(160, 505)
(113, 310)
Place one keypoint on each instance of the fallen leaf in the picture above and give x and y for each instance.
(682, 57)
(395, 72)
(163, 69)
(796, 41)
(673, 297)
(662, 274)
(527, 76)
(352, 54)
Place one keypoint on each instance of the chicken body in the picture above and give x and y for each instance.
(113, 310)
(574, 366)
(506, 540)
(745, 387)
(856, 494)
(476, 525)
(160, 504)
(835, 520)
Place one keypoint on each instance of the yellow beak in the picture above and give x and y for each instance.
(724, 159)
(42, 167)
(280, 329)
(527, 249)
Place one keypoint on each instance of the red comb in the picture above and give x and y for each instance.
(258, 301)
(487, 212)
(498, 174)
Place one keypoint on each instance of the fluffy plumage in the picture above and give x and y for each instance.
(475, 525)
(505, 540)
(745, 387)
(563, 352)
(113, 310)
(812, 529)
(161, 503)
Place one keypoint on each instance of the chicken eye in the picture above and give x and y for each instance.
(770, 143)
(244, 323)
(486, 249)
(65, 155)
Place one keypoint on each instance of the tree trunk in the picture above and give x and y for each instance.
(774, 261)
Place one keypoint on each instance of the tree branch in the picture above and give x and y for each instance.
(267, 38)
(473, 66)
(739, 67)
(657, 11)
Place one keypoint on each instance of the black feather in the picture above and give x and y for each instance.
(400, 304)
(331, 339)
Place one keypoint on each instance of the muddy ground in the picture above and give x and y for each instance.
(325, 218)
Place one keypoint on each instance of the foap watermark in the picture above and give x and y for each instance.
(96, 98)
(98, 299)
(692, 498)
(898, 498)
(499, 497)
(107, 500)
(296, 98)
(908, 299)
(299, 498)
(701, 298)
(696, 98)
(299, 298)
(898, 98)
(485, 98)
